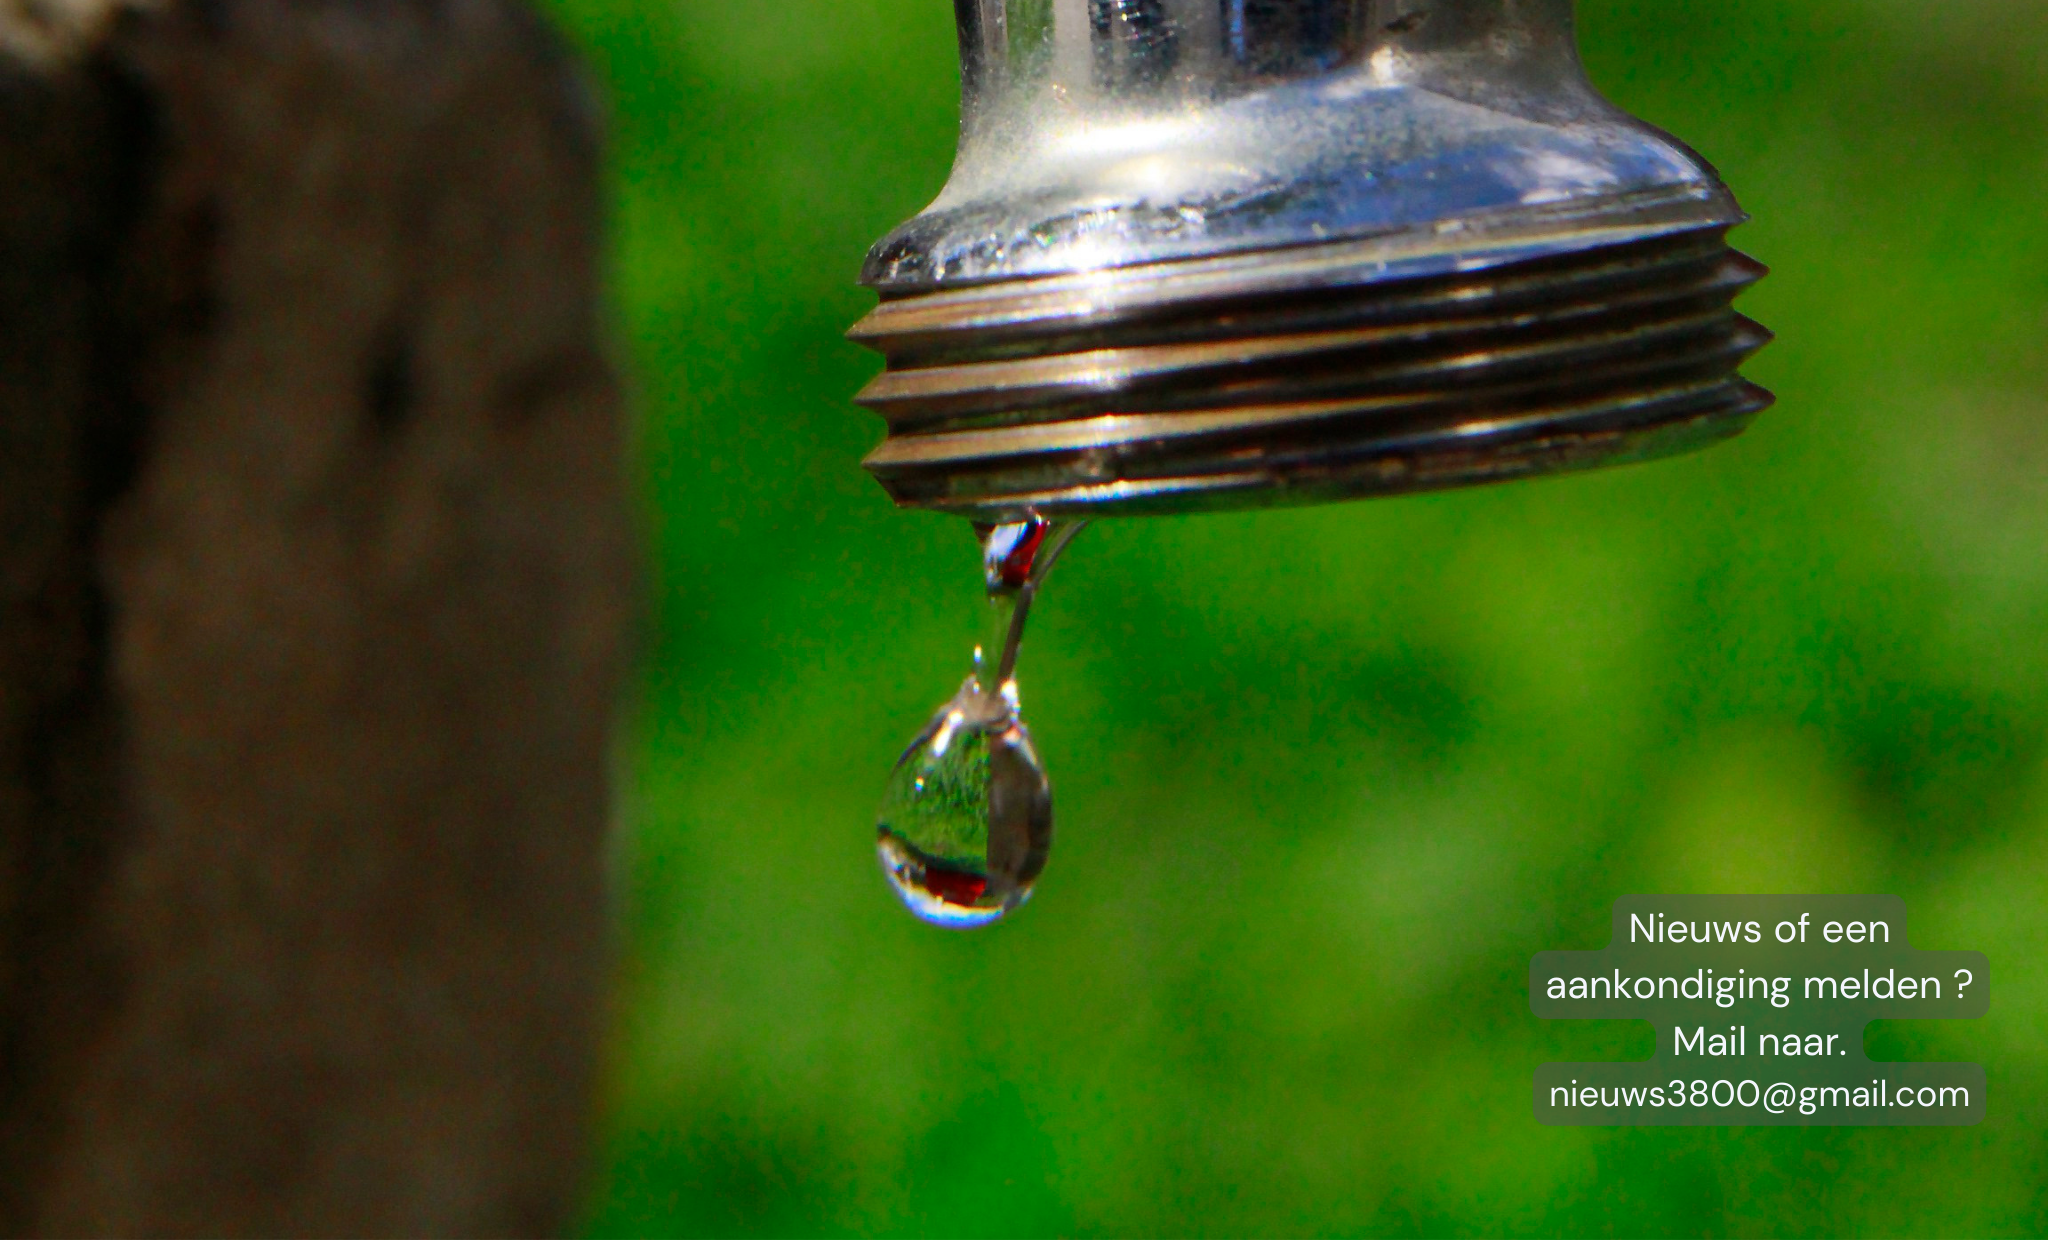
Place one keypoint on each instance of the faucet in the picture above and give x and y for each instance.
(1206, 254)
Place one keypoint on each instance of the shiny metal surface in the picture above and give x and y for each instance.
(1109, 132)
(1200, 253)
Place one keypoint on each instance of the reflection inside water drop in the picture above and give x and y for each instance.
(966, 820)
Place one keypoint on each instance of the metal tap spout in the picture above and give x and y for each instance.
(1228, 253)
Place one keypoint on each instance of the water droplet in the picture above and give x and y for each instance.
(1009, 552)
(966, 820)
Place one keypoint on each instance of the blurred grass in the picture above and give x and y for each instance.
(1328, 778)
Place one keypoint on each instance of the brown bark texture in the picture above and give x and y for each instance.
(315, 583)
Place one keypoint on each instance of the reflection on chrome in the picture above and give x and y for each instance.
(1219, 253)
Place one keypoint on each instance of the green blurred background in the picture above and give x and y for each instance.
(1328, 778)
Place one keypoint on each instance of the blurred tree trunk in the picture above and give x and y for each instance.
(314, 583)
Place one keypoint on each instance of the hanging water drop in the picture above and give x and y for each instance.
(966, 820)
(966, 823)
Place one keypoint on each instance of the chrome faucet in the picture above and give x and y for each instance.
(1223, 253)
